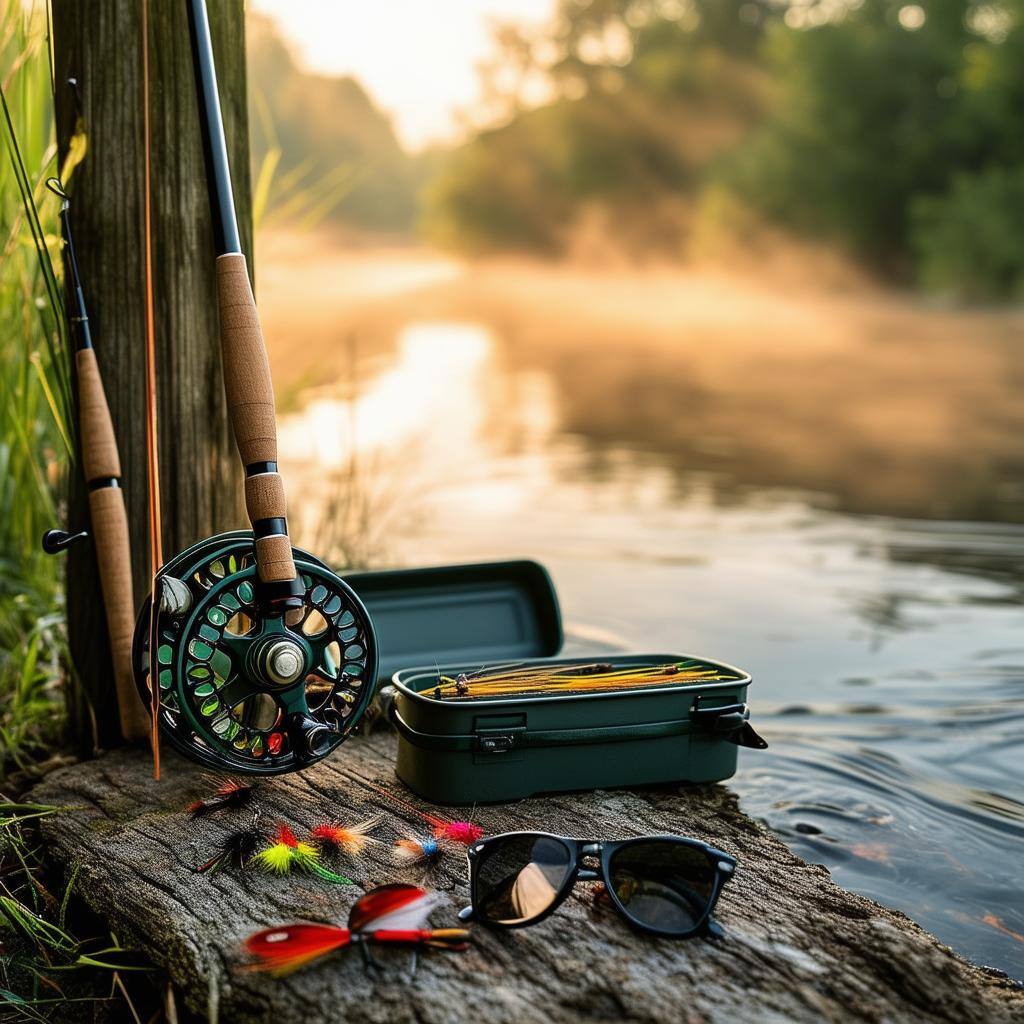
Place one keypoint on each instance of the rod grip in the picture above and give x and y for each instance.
(274, 561)
(110, 535)
(99, 444)
(246, 367)
(250, 395)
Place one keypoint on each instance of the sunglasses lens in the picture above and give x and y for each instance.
(666, 886)
(520, 877)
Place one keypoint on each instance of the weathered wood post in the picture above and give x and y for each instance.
(98, 43)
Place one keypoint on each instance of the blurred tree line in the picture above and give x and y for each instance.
(320, 147)
(889, 128)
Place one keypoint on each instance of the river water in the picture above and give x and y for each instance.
(851, 537)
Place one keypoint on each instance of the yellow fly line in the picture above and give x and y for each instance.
(585, 677)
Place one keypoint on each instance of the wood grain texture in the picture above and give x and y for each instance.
(98, 42)
(274, 562)
(109, 528)
(96, 432)
(797, 948)
(247, 382)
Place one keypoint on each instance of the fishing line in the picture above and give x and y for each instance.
(156, 557)
(593, 677)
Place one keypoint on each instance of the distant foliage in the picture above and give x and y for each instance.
(969, 242)
(879, 114)
(891, 129)
(640, 96)
(320, 148)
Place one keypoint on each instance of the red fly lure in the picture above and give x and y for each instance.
(389, 915)
(464, 832)
(230, 794)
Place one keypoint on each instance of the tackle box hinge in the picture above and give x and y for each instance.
(730, 721)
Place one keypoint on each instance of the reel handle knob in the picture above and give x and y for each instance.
(310, 738)
(56, 541)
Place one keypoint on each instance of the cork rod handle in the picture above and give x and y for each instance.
(250, 395)
(110, 533)
(102, 468)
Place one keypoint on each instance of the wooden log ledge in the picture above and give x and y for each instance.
(797, 948)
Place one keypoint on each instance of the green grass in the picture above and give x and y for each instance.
(47, 973)
(35, 444)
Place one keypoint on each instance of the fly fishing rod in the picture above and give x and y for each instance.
(101, 465)
(258, 658)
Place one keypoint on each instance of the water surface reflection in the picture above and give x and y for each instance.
(887, 651)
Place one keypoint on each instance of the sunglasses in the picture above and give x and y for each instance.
(664, 885)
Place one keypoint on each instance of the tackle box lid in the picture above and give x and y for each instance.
(481, 612)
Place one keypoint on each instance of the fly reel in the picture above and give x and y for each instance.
(247, 689)
(252, 655)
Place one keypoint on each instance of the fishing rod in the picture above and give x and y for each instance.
(101, 465)
(254, 656)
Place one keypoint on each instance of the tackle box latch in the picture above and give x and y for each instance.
(498, 744)
(730, 721)
(498, 734)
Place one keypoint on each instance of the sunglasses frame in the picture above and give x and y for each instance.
(723, 864)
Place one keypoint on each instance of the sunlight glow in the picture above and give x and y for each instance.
(435, 361)
(418, 61)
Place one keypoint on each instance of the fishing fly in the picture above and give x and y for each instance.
(285, 853)
(236, 849)
(464, 833)
(350, 839)
(388, 915)
(412, 850)
(228, 794)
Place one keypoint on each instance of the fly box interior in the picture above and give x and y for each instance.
(483, 734)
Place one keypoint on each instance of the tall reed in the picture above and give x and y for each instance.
(35, 429)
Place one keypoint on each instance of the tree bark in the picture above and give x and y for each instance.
(796, 947)
(99, 44)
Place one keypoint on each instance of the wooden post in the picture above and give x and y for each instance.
(98, 43)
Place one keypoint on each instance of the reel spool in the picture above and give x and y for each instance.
(244, 690)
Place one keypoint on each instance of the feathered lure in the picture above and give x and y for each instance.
(230, 794)
(463, 832)
(236, 849)
(350, 839)
(391, 914)
(286, 852)
(411, 850)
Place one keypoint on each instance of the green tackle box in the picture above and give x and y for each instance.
(492, 749)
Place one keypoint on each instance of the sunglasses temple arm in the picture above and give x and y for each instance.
(712, 926)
